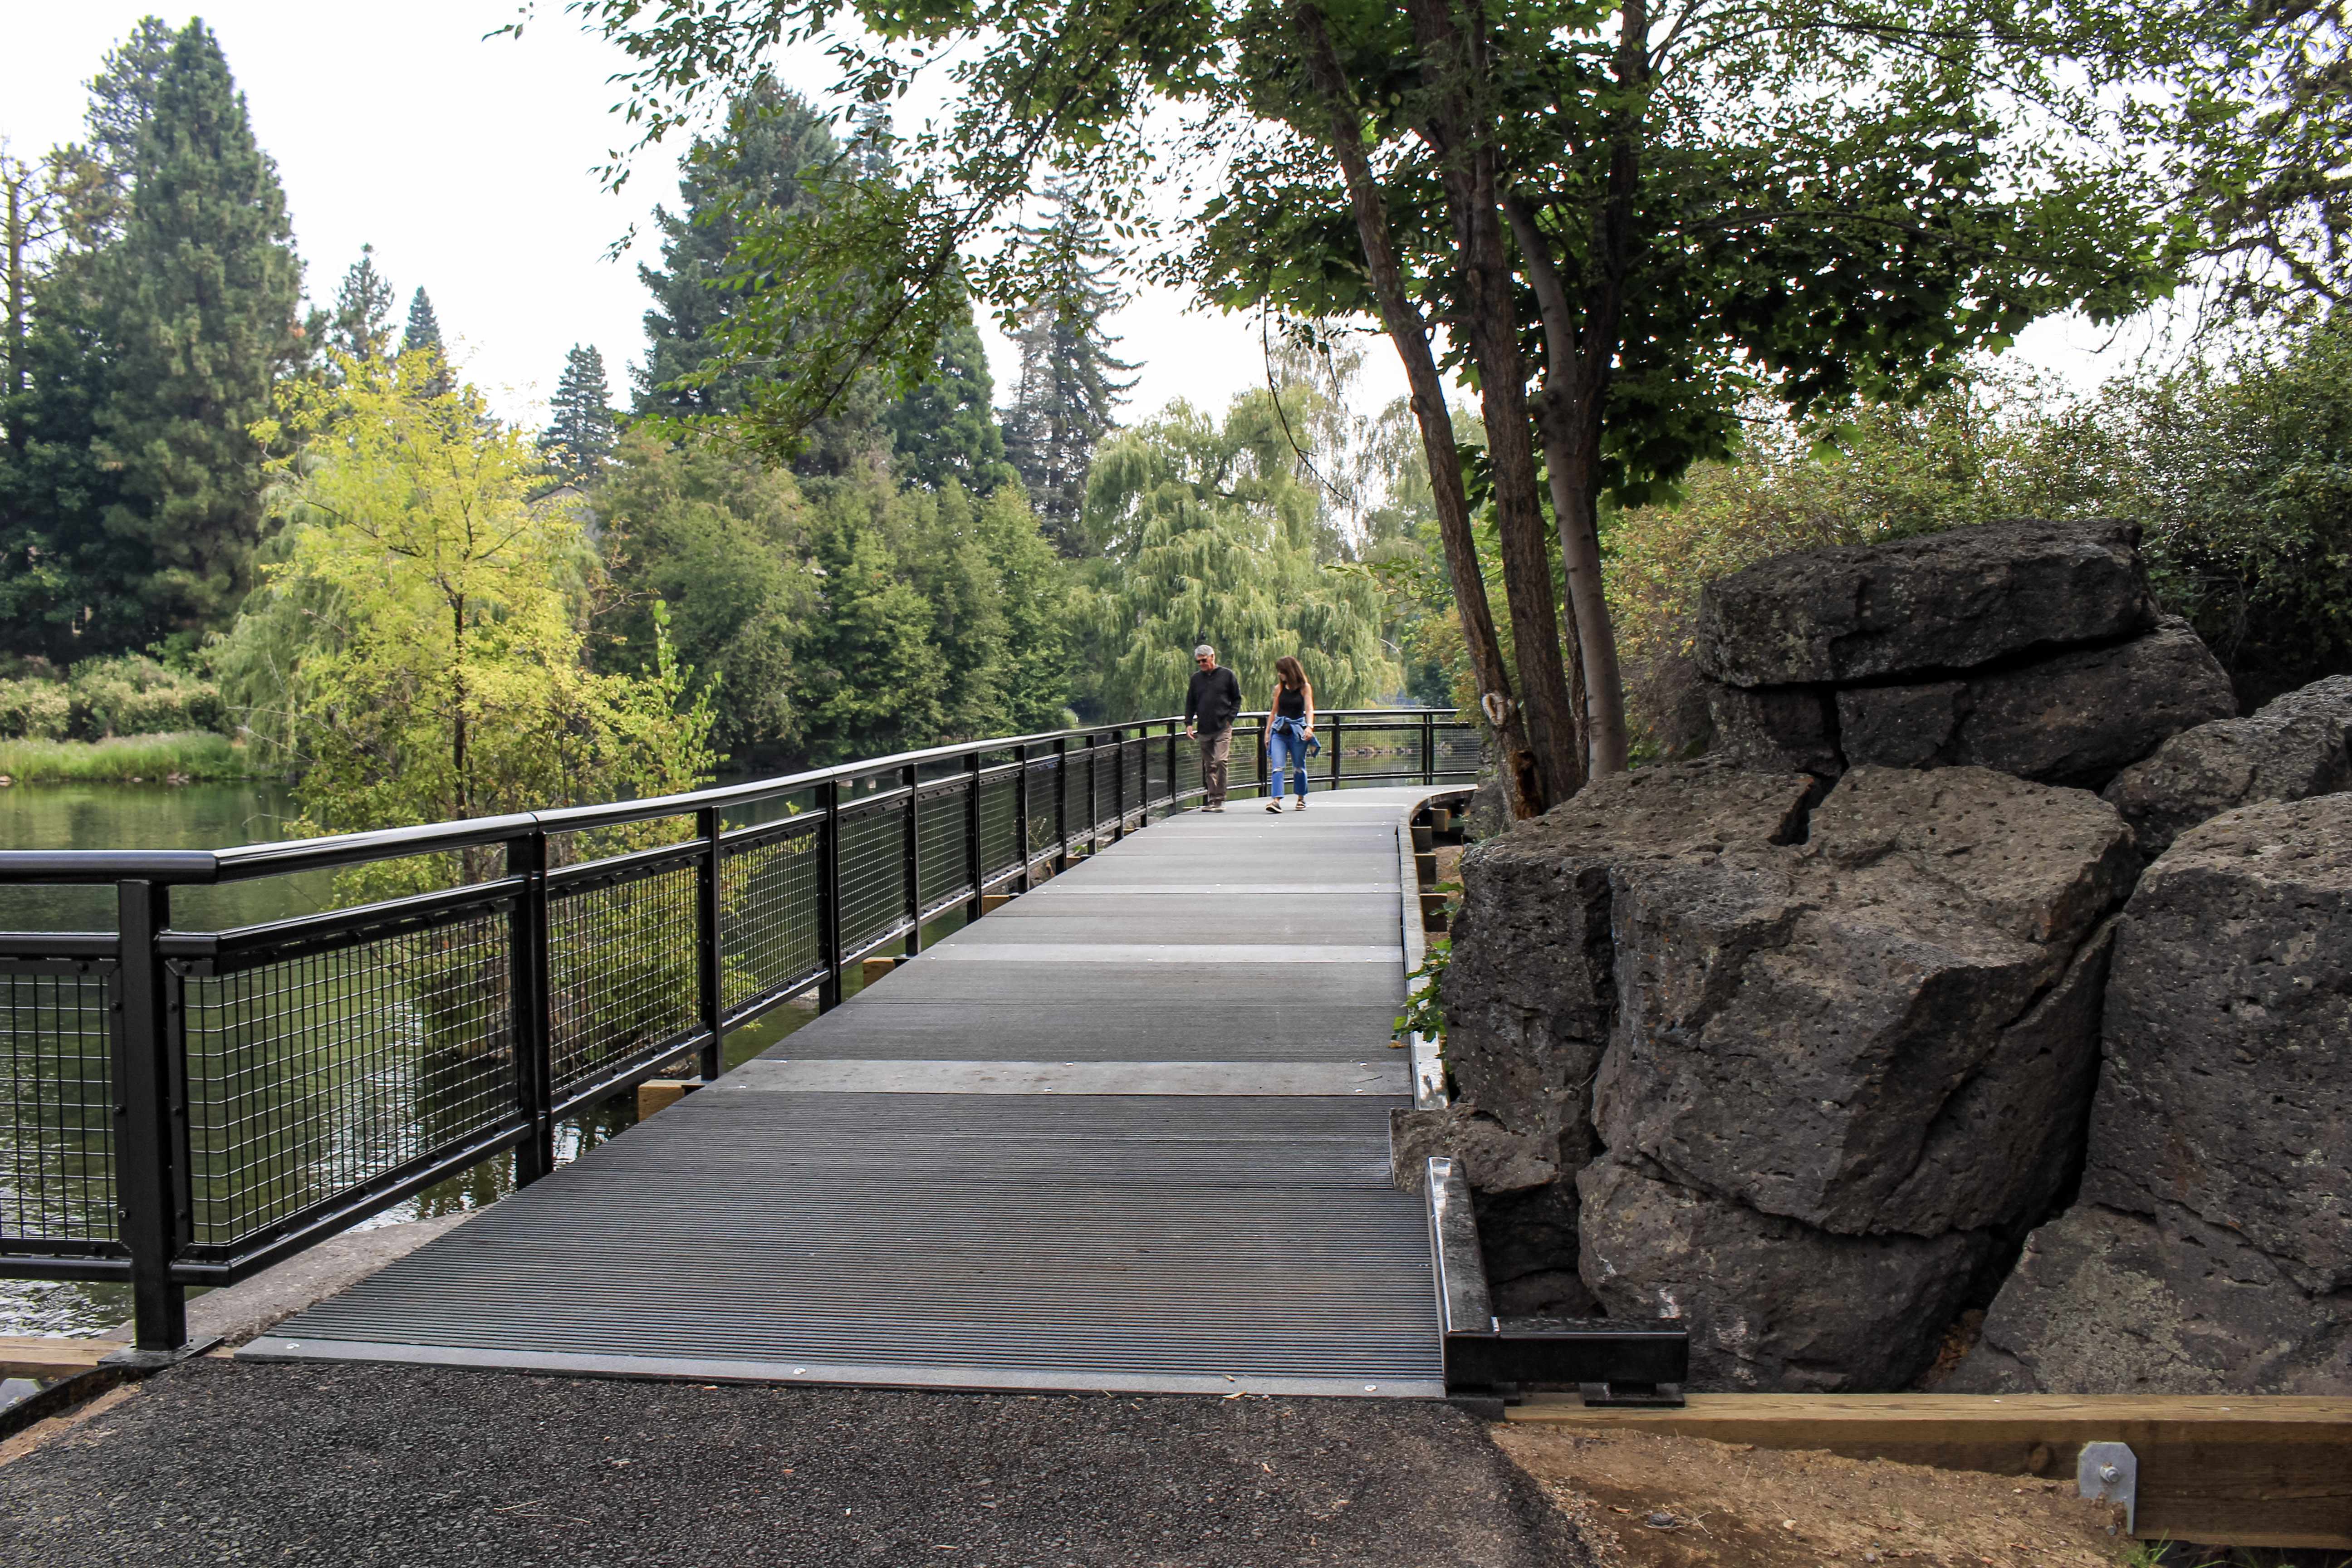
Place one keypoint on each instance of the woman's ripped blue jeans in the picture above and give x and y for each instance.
(1287, 739)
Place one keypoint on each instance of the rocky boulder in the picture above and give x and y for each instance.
(2031, 647)
(1944, 601)
(2292, 749)
(1531, 992)
(1874, 1052)
(2211, 1248)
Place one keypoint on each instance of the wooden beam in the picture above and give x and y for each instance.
(875, 968)
(661, 1093)
(46, 1356)
(2224, 1469)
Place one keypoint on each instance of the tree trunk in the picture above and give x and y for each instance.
(1522, 774)
(1580, 350)
(1452, 63)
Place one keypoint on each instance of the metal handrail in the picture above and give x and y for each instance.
(551, 976)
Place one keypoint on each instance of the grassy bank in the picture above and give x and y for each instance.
(195, 754)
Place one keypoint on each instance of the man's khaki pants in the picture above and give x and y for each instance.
(1215, 746)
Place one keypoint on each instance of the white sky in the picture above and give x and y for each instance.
(469, 164)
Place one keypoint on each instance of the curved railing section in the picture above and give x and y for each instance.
(190, 1107)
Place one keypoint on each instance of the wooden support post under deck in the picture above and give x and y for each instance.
(2228, 1469)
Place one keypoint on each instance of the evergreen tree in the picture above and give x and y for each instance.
(1068, 394)
(579, 438)
(121, 101)
(772, 139)
(946, 428)
(196, 311)
(424, 327)
(361, 326)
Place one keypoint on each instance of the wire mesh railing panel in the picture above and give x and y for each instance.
(56, 1171)
(1188, 764)
(873, 874)
(1045, 783)
(1000, 834)
(940, 836)
(1382, 751)
(317, 1074)
(771, 933)
(620, 972)
(1458, 750)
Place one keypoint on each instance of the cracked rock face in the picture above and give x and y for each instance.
(1827, 1077)
(2213, 1245)
(1893, 1028)
(1531, 992)
(1946, 601)
(1772, 1304)
(2293, 749)
(2033, 648)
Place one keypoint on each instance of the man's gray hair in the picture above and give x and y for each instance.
(1204, 651)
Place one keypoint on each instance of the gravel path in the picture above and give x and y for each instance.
(218, 1463)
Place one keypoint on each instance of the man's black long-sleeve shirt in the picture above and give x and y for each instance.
(1213, 697)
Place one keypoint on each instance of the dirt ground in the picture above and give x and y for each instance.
(1652, 1502)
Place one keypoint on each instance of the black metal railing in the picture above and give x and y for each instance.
(190, 1107)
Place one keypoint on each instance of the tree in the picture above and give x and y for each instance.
(1206, 535)
(760, 162)
(579, 438)
(442, 671)
(946, 429)
(1068, 394)
(1817, 198)
(360, 327)
(724, 543)
(423, 336)
(195, 306)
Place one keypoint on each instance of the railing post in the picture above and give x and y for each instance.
(914, 860)
(1429, 747)
(712, 971)
(1173, 731)
(151, 1148)
(530, 982)
(1021, 847)
(974, 867)
(1337, 750)
(1118, 785)
(1094, 789)
(828, 896)
(1061, 802)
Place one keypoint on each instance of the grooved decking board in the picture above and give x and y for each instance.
(788, 1224)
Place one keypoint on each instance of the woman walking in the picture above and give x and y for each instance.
(1289, 725)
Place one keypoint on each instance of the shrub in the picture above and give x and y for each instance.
(33, 711)
(135, 696)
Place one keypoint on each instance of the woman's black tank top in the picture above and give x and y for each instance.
(1291, 704)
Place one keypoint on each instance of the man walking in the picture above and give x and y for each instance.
(1212, 700)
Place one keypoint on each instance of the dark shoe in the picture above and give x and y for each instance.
(1275, 807)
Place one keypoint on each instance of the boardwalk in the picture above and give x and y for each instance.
(1129, 1133)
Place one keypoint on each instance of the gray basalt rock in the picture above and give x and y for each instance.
(2293, 749)
(1771, 1303)
(2076, 717)
(1777, 729)
(1945, 602)
(1893, 1028)
(2211, 1248)
(2104, 1301)
(1530, 989)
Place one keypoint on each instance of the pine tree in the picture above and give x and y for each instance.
(197, 314)
(772, 139)
(578, 437)
(121, 100)
(424, 327)
(1068, 398)
(361, 326)
(946, 428)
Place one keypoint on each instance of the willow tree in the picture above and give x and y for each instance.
(1206, 535)
(1665, 212)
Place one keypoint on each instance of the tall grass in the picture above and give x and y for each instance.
(190, 755)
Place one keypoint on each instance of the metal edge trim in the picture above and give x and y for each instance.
(971, 1379)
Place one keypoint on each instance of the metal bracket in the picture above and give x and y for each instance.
(1613, 1361)
(2109, 1472)
(139, 1361)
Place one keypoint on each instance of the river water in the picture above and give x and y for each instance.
(215, 816)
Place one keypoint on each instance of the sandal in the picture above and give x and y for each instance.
(1275, 807)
